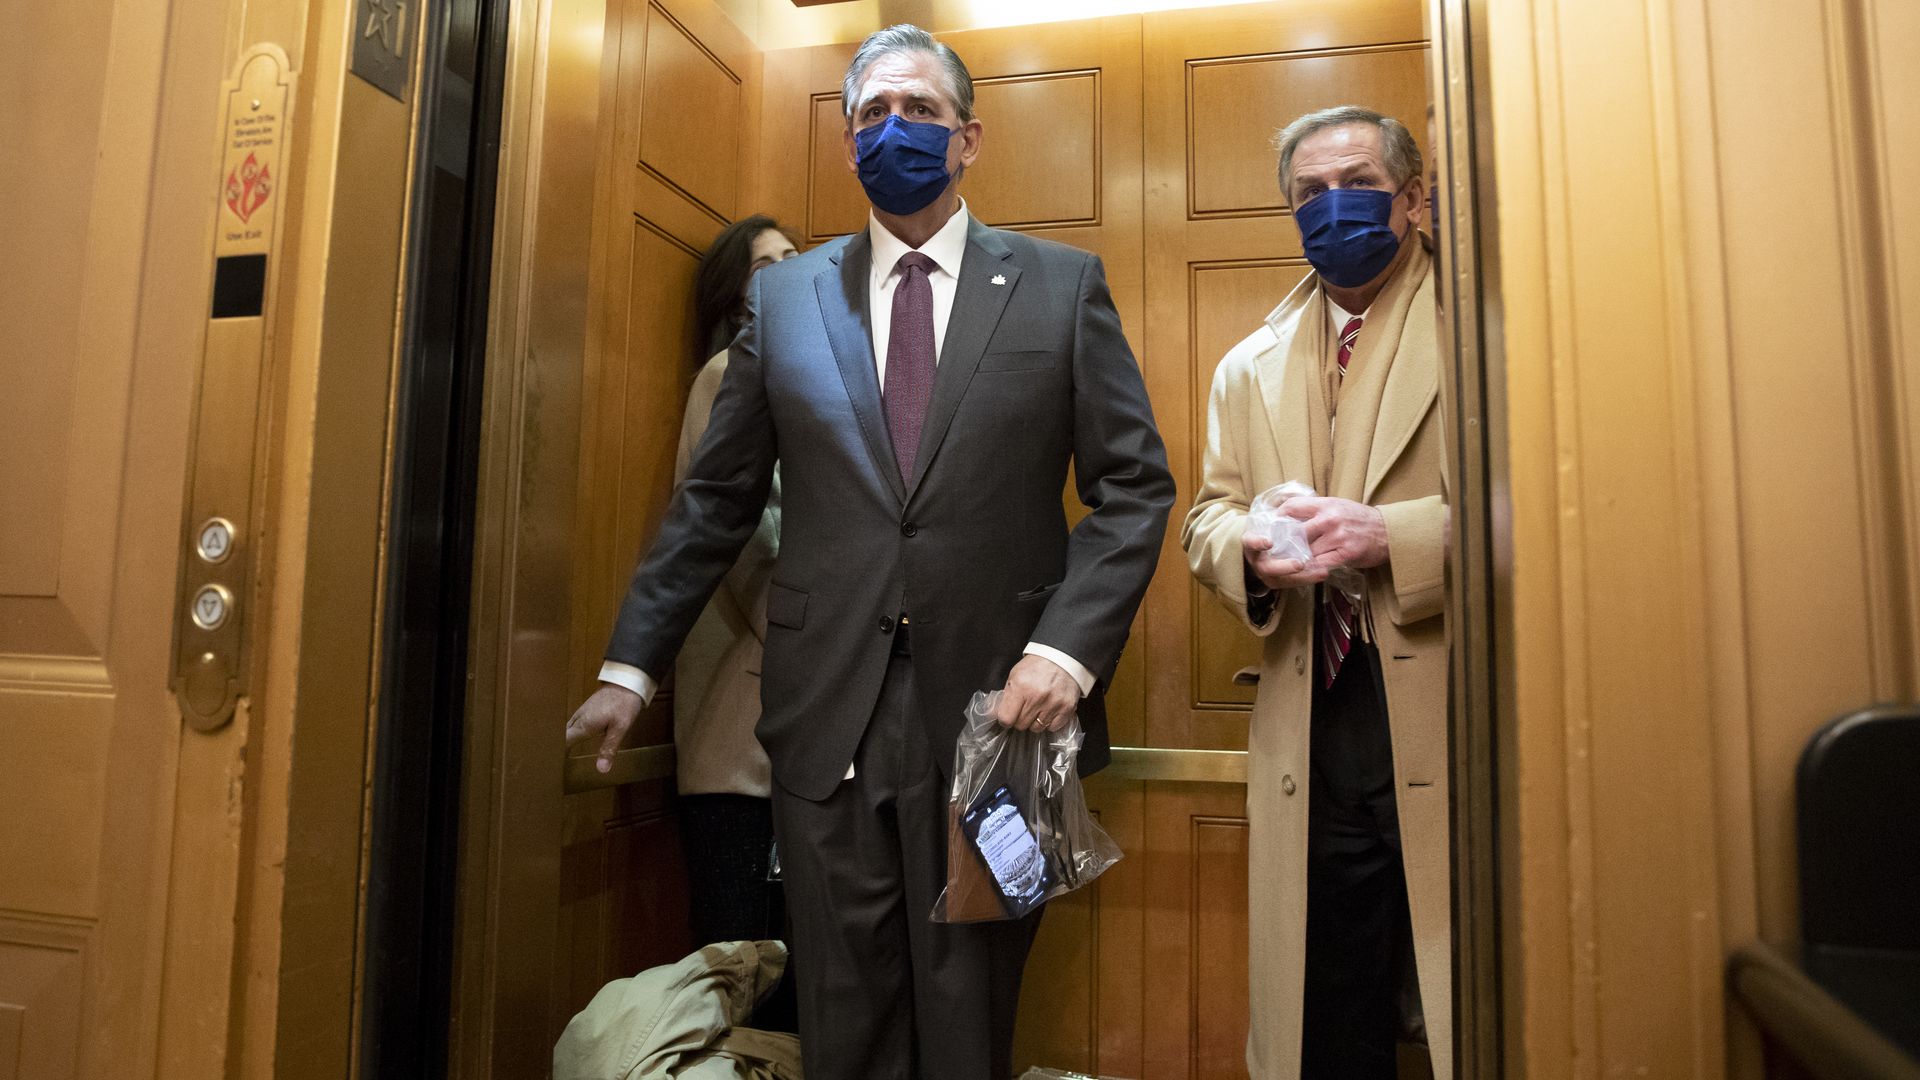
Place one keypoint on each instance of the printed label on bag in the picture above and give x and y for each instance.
(1005, 843)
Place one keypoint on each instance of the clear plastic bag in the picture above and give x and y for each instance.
(1289, 534)
(1018, 831)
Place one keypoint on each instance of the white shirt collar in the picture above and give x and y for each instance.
(945, 247)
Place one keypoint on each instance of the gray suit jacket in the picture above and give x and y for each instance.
(1034, 375)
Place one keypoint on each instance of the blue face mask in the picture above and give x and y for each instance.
(1346, 234)
(903, 164)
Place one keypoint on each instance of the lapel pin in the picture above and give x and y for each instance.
(999, 279)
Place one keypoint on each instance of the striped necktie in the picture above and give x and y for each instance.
(1337, 613)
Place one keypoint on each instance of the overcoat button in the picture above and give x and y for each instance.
(1286, 784)
(886, 624)
(909, 529)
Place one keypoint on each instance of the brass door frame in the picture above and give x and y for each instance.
(1480, 693)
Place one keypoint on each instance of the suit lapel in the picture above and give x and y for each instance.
(1287, 374)
(842, 289)
(1413, 382)
(987, 278)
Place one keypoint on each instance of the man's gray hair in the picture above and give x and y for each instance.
(901, 39)
(1401, 153)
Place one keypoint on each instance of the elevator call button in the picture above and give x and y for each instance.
(211, 606)
(216, 540)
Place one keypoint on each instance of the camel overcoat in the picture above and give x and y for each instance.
(1266, 424)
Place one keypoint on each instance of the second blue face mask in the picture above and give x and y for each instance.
(903, 164)
(1346, 234)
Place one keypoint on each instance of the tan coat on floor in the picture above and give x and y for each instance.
(1267, 424)
(681, 1022)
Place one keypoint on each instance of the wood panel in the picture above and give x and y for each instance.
(42, 993)
(1194, 946)
(622, 896)
(648, 918)
(1217, 892)
(691, 137)
(46, 204)
(1231, 103)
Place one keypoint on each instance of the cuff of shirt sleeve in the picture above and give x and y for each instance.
(1072, 667)
(617, 674)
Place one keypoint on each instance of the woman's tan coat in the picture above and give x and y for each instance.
(716, 694)
(1267, 424)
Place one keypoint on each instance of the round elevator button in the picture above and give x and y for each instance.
(211, 606)
(215, 541)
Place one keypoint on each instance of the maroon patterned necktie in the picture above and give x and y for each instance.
(1337, 614)
(910, 359)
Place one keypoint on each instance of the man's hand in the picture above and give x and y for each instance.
(606, 715)
(1039, 696)
(1277, 573)
(1340, 532)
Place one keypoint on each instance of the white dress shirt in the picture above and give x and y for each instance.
(948, 249)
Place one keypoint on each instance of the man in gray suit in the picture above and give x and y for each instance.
(925, 385)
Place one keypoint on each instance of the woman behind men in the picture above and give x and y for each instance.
(724, 781)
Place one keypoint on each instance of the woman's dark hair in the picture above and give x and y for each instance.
(721, 282)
